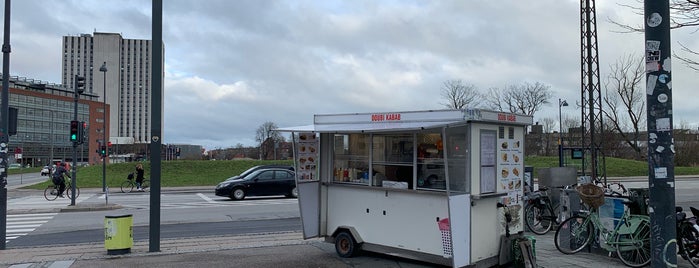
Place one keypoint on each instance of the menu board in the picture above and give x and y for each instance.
(307, 157)
(510, 167)
(488, 152)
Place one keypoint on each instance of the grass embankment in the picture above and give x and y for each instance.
(173, 173)
(210, 173)
(616, 167)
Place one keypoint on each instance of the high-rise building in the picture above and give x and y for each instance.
(126, 84)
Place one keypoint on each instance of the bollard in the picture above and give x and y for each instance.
(118, 234)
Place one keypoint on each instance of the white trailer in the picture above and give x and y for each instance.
(421, 184)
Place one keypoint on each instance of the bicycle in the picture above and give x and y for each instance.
(688, 236)
(51, 191)
(130, 183)
(615, 189)
(539, 214)
(630, 237)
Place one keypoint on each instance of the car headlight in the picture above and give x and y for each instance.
(223, 185)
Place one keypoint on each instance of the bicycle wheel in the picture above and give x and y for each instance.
(573, 234)
(69, 191)
(634, 249)
(126, 187)
(688, 243)
(538, 220)
(145, 185)
(51, 193)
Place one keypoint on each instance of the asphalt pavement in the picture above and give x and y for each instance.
(280, 249)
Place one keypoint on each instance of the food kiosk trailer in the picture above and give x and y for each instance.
(423, 185)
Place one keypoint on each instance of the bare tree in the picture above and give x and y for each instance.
(459, 95)
(549, 125)
(525, 98)
(267, 136)
(625, 100)
(683, 14)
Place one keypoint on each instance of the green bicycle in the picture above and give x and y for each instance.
(630, 237)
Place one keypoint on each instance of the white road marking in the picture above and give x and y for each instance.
(206, 198)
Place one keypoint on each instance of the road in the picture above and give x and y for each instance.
(182, 214)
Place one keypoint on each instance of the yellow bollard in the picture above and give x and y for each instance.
(118, 234)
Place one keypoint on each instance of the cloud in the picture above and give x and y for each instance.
(233, 65)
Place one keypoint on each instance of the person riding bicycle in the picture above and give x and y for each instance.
(139, 177)
(58, 178)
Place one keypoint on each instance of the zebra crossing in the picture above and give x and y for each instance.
(199, 200)
(22, 224)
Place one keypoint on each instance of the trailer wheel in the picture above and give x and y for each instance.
(345, 245)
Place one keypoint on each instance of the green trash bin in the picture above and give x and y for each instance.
(118, 234)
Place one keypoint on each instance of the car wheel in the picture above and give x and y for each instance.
(294, 193)
(238, 194)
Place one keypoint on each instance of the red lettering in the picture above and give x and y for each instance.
(512, 118)
(502, 117)
(376, 117)
(393, 117)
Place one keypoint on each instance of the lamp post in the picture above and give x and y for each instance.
(561, 103)
(103, 69)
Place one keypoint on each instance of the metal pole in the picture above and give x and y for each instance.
(661, 167)
(103, 69)
(4, 135)
(75, 144)
(156, 121)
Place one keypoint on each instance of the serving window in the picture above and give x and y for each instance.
(400, 160)
(351, 158)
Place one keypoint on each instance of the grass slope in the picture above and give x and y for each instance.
(210, 173)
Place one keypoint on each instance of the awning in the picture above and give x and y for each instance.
(370, 127)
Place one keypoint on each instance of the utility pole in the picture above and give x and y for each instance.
(4, 128)
(661, 155)
(156, 130)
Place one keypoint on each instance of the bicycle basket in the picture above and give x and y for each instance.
(592, 195)
(130, 177)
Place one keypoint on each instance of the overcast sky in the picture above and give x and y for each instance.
(231, 65)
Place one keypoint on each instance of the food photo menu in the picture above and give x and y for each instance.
(306, 162)
(510, 167)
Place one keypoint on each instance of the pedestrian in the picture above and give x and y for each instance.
(58, 178)
(139, 177)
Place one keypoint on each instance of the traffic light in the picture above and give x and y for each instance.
(81, 132)
(79, 84)
(74, 130)
(84, 132)
(109, 147)
(103, 151)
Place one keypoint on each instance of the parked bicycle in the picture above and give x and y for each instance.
(51, 191)
(614, 189)
(539, 214)
(130, 184)
(630, 237)
(688, 236)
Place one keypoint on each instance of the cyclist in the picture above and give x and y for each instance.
(58, 178)
(139, 177)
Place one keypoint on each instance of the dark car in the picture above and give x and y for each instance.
(260, 181)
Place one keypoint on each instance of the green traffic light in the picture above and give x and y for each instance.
(73, 137)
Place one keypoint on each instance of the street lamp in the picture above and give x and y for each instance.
(561, 103)
(103, 69)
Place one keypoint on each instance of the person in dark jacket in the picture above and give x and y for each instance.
(139, 177)
(58, 178)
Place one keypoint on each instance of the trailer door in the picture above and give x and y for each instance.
(306, 165)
